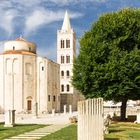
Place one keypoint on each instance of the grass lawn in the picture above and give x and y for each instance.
(118, 131)
(123, 131)
(67, 133)
(6, 132)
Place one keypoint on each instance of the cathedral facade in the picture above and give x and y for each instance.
(28, 79)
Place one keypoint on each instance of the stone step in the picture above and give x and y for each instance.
(22, 138)
(36, 133)
(32, 135)
(25, 137)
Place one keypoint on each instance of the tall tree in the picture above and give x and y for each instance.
(108, 64)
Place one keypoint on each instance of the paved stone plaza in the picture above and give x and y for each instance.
(55, 121)
(58, 118)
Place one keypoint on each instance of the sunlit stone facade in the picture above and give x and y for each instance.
(66, 52)
(29, 82)
(27, 79)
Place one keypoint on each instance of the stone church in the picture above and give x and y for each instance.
(27, 79)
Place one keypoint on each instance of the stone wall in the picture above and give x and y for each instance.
(70, 99)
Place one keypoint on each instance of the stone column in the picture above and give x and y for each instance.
(65, 109)
(70, 109)
(9, 118)
(138, 114)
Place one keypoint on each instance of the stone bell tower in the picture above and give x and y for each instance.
(66, 52)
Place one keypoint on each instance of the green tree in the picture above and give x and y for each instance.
(108, 64)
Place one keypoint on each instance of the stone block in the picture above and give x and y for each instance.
(9, 118)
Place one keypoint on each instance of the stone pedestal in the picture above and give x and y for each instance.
(53, 112)
(9, 118)
(138, 114)
(65, 109)
(70, 109)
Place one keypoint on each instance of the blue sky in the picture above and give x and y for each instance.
(39, 20)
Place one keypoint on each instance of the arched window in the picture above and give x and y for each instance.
(62, 44)
(29, 49)
(62, 73)
(68, 87)
(62, 59)
(67, 59)
(42, 68)
(67, 43)
(49, 98)
(62, 88)
(54, 98)
(13, 47)
(68, 73)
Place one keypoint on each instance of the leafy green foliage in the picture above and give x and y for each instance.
(108, 64)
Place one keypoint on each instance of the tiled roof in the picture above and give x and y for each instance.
(19, 52)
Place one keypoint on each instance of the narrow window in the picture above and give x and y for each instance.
(67, 43)
(49, 98)
(62, 73)
(62, 44)
(29, 49)
(62, 59)
(29, 105)
(42, 68)
(62, 88)
(68, 73)
(54, 98)
(68, 88)
(13, 47)
(67, 59)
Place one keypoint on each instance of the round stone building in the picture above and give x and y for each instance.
(28, 82)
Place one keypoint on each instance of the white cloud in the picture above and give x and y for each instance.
(49, 52)
(30, 14)
(6, 20)
(2, 46)
(42, 17)
(67, 2)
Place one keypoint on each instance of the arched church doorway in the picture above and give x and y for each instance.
(29, 104)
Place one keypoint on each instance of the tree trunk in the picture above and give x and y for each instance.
(123, 110)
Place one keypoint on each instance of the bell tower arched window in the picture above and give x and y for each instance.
(68, 87)
(62, 59)
(62, 43)
(67, 59)
(62, 88)
(67, 43)
(68, 73)
(62, 73)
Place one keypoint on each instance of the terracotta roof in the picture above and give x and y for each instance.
(19, 52)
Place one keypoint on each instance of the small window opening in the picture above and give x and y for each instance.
(54, 98)
(42, 68)
(49, 98)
